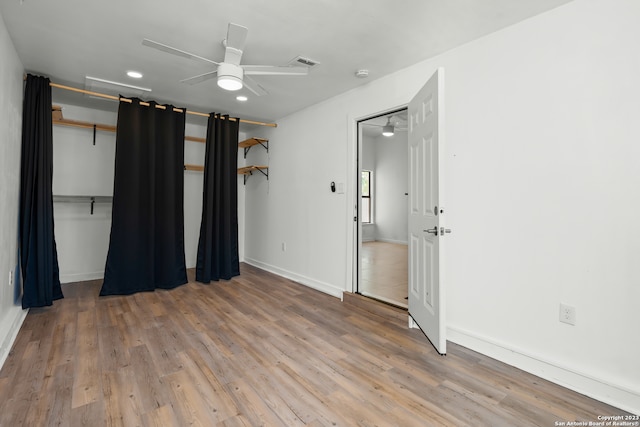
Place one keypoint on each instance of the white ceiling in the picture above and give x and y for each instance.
(70, 39)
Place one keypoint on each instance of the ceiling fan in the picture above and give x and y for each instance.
(393, 124)
(231, 74)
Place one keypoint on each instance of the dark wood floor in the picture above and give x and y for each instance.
(257, 350)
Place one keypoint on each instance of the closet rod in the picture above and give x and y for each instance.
(162, 107)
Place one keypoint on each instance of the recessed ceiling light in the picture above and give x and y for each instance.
(134, 74)
(241, 98)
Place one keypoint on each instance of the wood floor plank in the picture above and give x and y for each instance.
(191, 407)
(122, 401)
(252, 406)
(153, 391)
(209, 388)
(90, 415)
(236, 421)
(257, 350)
(87, 385)
(161, 417)
(303, 397)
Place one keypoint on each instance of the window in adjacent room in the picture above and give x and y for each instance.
(366, 197)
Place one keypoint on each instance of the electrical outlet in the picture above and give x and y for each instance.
(284, 247)
(567, 314)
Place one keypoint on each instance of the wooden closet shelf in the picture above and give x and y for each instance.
(248, 143)
(247, 170)
(84, 125)
(252, 141)
(56, 115)
(198, 168)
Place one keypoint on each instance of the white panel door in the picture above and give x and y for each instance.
(426, 296)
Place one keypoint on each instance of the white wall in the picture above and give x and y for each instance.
(541, 191)
(11, 93)
(80, 168)
(391, 182)
(387, 158)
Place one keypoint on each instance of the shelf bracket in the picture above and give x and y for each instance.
(266, 147)
(93, 201)
(94, 134)
(264, 173)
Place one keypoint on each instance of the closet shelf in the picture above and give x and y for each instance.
(82, 199)
(248, 171)
(198, 168)
(57, 119)
(248, 143)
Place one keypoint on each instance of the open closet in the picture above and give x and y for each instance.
(84, 149)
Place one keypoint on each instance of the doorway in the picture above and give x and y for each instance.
(382, 252)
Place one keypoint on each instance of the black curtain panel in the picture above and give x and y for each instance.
(218, 243)
(38, 254)
(146, 249)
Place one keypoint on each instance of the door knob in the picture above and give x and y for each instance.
(445, 230)
(433, 230)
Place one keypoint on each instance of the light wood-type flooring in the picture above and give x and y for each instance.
(385, 272)
(258, 350)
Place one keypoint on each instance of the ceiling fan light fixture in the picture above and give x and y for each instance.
(388, 129)
(229, 76)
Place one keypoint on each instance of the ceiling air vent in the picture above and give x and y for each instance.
(301, 61)
(109, 87)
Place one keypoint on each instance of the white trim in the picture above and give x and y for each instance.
(327, 288)
(618, 395)
(81, 277)
(10, 338)
(385, 299)
(354, 148)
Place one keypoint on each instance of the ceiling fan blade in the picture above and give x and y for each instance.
(234, 43)
(254, 86)
(200, 78)
(274, 70)
(174, 51)
(236, 36)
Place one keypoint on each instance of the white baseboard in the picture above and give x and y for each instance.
(620, 396)
(12, 334)
(81, 277)
(327, 288)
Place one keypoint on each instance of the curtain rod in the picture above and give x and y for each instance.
(162, 107)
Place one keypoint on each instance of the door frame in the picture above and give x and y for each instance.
(354, 165)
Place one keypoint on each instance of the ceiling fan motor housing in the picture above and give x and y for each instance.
(230, 76)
